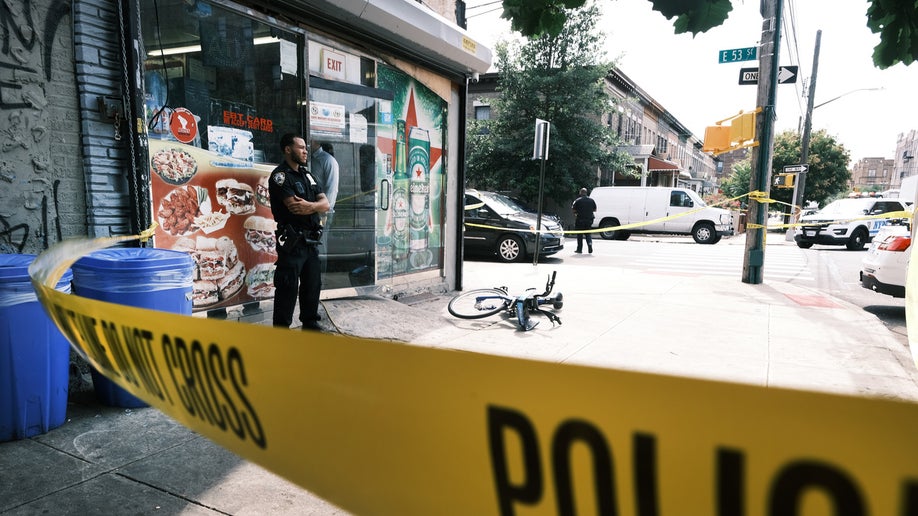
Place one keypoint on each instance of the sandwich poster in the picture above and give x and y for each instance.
(215, 206)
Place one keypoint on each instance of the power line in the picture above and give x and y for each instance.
(486, 4)
(793, 49)
(485, 12)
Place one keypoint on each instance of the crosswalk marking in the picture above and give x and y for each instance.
(782, 263)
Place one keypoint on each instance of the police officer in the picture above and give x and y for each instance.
(583, 208)
(297, 200)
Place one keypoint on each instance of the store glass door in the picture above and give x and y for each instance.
(343, 119)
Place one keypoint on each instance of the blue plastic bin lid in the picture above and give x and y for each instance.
(14, 268)
(133, 269)
(134, 259)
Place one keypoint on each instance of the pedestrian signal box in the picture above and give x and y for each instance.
(784, 180)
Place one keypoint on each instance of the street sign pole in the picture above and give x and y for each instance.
(792, 217)
(540, 151)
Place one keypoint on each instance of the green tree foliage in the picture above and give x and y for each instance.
(895, 20)
(828, 162)
(738, 182)
(555, 78)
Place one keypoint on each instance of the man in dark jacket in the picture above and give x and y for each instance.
(584, 208)
(297, 201)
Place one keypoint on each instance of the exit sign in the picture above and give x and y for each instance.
(737, 54)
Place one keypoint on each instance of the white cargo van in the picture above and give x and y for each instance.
(655, 209)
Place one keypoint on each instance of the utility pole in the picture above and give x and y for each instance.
(754, 259)
(800, 183)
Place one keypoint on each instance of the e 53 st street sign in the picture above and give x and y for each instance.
(786, 75)
(737, 54)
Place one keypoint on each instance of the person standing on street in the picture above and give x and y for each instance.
(584, 208)
(297, 202)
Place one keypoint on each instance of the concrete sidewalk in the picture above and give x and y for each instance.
(116, 461)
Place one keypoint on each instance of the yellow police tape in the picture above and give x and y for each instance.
(756, 195)
(385, 428)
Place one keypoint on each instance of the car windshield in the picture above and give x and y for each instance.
(847, 207)
(501, 204)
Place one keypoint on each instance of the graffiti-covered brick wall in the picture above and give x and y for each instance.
(64, 154)
(41, 181)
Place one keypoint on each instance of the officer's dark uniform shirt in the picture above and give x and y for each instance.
(584, 206)
(286, 182)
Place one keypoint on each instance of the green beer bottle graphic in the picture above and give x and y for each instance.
(419, 255)
(400, 201)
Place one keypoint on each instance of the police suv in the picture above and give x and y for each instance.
(849, 222)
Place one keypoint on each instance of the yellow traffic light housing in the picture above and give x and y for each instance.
(719, 138)
(784, 180)
(716, 139)
(742, 128)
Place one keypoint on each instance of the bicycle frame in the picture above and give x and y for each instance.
(532, 303)
(495, 300)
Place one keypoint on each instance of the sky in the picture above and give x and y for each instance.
(683, 74)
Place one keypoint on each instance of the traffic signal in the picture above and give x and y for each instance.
(716, 139)
(784, 180)
(742, 128)
(725, 138)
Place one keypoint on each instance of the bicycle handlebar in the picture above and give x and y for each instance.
(550, 284)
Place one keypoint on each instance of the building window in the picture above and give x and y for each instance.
(482, 112)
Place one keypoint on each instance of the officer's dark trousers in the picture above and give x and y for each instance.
(298, 275)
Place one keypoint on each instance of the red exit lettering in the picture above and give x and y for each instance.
(333, 64)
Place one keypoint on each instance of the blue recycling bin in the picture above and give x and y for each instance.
(156, 279)
(34, 355)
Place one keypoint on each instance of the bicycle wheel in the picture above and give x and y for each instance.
(478, 303)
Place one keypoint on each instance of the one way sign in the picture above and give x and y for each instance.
(786, 75)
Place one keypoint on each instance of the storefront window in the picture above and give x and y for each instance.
(221, 88)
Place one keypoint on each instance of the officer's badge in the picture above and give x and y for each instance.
(278, 178)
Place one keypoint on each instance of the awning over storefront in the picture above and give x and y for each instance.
(414, 28)
(658, 165)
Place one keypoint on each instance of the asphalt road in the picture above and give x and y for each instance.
(837, 271)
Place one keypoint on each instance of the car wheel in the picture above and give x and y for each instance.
(704, 233)
(858, 239)
(609, 223)
(510, 249)
(804, 245)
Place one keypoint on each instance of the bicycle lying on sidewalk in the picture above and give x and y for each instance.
(485, 302)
